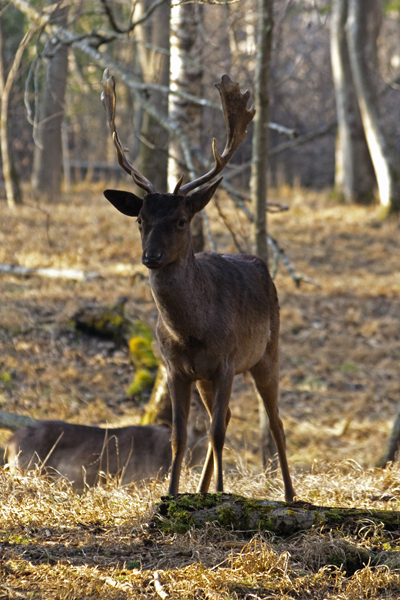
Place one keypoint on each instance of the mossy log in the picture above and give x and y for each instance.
(182, 512)
(14, 422)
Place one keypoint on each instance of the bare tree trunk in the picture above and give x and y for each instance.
(354, 172)
(11, 181)
(159, 407)
(384, 157)
(153, 158)
(47, 157)
(186, 75)
(259, 169)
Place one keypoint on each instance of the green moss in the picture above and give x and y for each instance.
(227, 517)
(142, 381)
(141, 353)
(6, 378)
(140, 329)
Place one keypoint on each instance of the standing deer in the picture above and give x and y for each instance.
(218, 314)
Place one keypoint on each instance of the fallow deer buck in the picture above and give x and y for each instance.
(218, 314)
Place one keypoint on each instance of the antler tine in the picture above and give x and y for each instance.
(237, 118)
(109, 100)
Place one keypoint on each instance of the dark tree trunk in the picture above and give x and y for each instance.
(153, 157)
(47, 158)
(259, 171)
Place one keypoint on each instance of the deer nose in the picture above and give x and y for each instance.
(152, 259)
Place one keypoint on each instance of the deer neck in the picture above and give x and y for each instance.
(176, 291)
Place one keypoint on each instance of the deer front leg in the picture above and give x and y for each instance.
(222, 387)
(180, 392)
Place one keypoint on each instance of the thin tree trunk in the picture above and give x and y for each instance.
(11, 180)
(159, 407)
(384, 157)
(153, 158)
(354, 172)
(259, 167)
(259, 170)
(186, 75)
(47, 157)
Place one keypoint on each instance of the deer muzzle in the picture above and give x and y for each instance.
(152, 259)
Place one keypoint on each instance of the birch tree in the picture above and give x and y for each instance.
(354, 173)
(13, 190)
(186, 75)
(384, 157)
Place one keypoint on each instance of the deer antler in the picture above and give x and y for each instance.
(237, 118)
(109, 100)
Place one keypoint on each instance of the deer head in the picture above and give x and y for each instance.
(164, 219)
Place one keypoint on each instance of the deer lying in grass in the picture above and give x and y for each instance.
(85, 455)
(218, 315)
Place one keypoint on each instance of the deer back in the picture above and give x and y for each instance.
(81, 453)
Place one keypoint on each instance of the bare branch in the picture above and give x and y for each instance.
(144, 17)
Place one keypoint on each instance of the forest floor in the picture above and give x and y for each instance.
(340, 393)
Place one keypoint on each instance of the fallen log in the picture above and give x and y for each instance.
(13, 422)
(75, 274)
(178, 514)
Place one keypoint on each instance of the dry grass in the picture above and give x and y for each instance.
(57, 545)
(339, 395)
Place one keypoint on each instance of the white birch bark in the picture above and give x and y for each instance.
(186, 75)
(354, 174)
(384, 157)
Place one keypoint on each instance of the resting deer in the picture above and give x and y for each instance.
(218, 314)
(83, 454)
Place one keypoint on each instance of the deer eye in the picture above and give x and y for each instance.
(182, 223)
(139, 221)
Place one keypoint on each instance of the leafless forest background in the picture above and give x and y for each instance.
(340, 327)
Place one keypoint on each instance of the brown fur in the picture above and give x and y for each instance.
(84, 455)
(218, 315)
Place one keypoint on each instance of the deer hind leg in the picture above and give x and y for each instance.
(180, 393)
(266, 378)
(216, 398)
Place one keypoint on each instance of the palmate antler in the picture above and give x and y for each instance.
(109, 100)
(237, 118)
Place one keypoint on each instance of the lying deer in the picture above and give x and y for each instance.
(218, 314)
(84, 455)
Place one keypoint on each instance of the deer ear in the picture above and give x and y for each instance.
(126, 202)
(200, 198)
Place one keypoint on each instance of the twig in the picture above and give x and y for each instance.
(159, 587)
(227, 225)
(295, 276)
